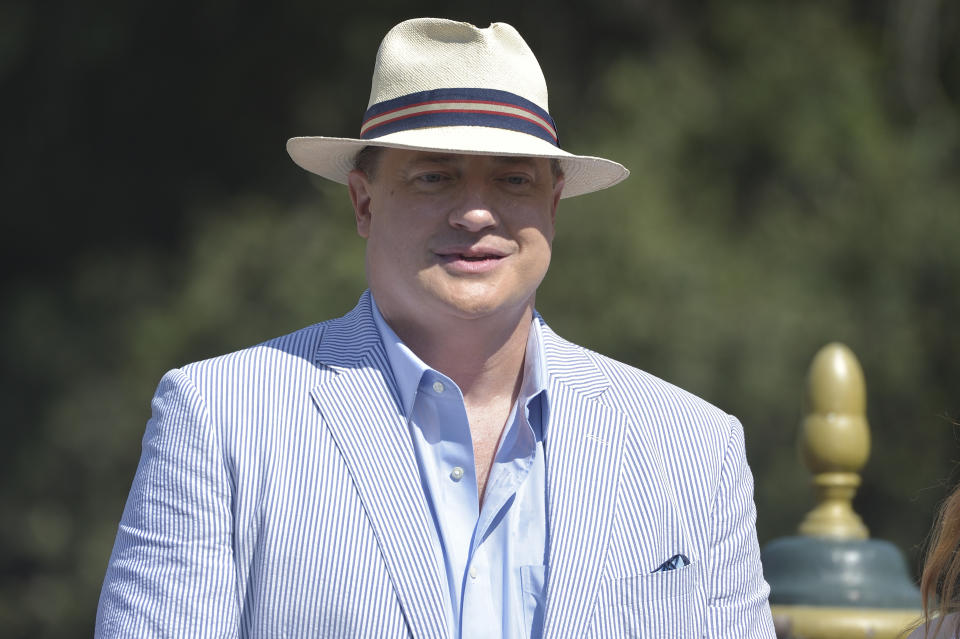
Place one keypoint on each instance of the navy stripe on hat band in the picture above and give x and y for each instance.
(458, 107)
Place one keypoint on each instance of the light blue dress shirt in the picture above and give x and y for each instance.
(494, 556)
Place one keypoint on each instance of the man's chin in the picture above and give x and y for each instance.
(489, 307)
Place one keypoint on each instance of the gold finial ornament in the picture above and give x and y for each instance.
(835, 442)
(832, 581)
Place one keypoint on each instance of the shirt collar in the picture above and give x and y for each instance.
(408, 368)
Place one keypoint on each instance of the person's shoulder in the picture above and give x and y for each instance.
(634, 386)
(644, 396)
(949, 630)
(290, 361)
(297, 346)
(300, 346)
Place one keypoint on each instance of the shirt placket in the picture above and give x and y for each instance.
(440, 414)
(480, 615)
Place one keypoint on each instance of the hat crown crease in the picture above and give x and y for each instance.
(429, 53)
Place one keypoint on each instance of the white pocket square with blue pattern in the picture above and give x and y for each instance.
(677, 561)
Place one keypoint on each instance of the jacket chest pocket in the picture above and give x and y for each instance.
(662, 604)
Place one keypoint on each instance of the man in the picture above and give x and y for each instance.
(438, 463)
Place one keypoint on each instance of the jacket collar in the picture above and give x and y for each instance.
(352, 338)
(584, 450)
(568, 364)
(360, 406)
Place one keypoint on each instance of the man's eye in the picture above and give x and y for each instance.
(517, 180)
(432, 178)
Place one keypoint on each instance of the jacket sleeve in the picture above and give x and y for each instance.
(171, 573)
(737, 605)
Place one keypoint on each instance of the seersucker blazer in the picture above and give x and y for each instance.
(277, 496)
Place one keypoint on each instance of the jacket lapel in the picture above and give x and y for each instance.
(358, 401)
(584, 446)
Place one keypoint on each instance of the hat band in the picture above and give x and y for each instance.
(458, 107)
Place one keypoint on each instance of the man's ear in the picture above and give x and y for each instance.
(557, 191)
(359, 186)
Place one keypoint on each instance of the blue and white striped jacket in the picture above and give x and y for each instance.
(278, 496)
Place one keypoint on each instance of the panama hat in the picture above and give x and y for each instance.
(447, 86)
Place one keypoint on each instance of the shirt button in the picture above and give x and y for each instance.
(473, 572)
(438, 387)
(456, 474)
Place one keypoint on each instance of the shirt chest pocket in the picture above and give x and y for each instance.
(660, 604)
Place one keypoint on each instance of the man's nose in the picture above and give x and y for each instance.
(474, 212)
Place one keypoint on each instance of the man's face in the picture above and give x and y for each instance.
(449, 235)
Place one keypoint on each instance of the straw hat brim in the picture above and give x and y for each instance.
(333, 158)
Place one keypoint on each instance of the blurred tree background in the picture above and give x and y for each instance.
(796, 180)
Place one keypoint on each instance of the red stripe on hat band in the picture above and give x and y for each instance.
(463, 106)
(420, 104)
(364, 130)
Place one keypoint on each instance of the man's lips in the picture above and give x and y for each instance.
(471, 254)
(470, 259)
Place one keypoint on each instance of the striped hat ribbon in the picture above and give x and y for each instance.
(458, 107)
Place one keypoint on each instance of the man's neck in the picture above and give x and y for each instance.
(484, 357)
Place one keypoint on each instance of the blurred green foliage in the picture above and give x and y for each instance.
(795, 181)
